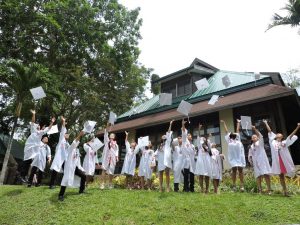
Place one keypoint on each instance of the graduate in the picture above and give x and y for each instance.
(236, 154)
(42, 156)
(216, 166)
(110, 157)
(147, 163)
(189, 164)
(258, 159)
(61, 153)
(177, 163)
(164, 158)
(203, 164)
(282, 163)
(130, 161)
(32, 144)
(74, 175)
(90, 159)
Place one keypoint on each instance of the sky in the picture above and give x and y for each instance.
(229, 35)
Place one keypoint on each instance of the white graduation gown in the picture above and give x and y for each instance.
(188, 151)
(203, 164)
(33, 141)
(110, 154)
(177, 164)
(236, 153)
(147, 161)
(259, 157)
(282, 149)
(61, 152)
(73, 160)
(90, 160)
(41, 157)
(216, 164)
(164, 154)
(130, 159)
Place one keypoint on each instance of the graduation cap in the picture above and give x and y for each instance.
(298, 90)
(226, 81)
(246, 122)
(38, 93)
(256, 75)
(53, 130)
(112, 118)
(75, 103)
(89, 126)
(165, 99)
(202, 84)
(184, 108)
(143, 141)
(96, 144)
(213, 99)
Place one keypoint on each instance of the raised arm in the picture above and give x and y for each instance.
(238, 126)
(79, 136)
(126, 136)
(267, 126)
(63, 120)
(183, 125)
(51, 123)
(170, 126)
(33, 115)
(295, 131)
(225, 126)
(256, 131)
(199, 129)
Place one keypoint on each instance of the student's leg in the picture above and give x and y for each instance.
(126, 181)
(192, 181)
(102, 179)
(241, 176)
(168, 178)
(82, 175)
(268, 181)
(61, 193)
(233, 176)
(186, 180)
(149, 184)
(201, 183)
(30, 179)
(142, 183)
(206, 184)
(25, 168)
(52, 179)
(215, 183)
(258, 181)
(282, 181)
(110, 178)
(161, 180)
(39, 178)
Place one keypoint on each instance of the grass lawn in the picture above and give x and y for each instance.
(22, 205)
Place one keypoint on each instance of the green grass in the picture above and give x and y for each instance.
(21, 205)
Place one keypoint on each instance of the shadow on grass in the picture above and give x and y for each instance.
(14, 193)
(54, 197)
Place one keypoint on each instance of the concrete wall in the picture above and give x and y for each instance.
(227, 116)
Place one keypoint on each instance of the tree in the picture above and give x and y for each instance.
(292, 78)
(293, 17)
(20, 78)
(155, 87)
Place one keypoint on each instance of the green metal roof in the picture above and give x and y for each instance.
(239, 81)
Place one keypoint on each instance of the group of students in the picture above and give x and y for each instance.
(179, 155)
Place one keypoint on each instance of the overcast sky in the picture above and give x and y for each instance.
(229, 35)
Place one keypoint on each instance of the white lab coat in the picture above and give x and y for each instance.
(236, 152)
(61, 152)
(33, 141)
(41, 157)
(110, 154)
(130, 159)
(216, 164)
(164, 153)
(259, 158)
(203, 164)
(282, 149)
(73, 160)
(146, 163)
(178, 164)
(90, 159)
(189, 152)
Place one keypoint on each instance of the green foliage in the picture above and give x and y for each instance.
(21, 205)
(155, 88)
(293, 17)
(292, 78)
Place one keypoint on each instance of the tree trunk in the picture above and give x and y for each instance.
(6, 158)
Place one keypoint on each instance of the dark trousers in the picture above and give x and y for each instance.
(25, 167)
(188, 181)
(176, 187)
(54, 175)
(82, 175)
(34, 170)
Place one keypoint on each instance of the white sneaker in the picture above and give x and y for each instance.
(102, 186)
(111, 186)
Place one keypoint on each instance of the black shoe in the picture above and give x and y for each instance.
(51, 187)
(29, 185)
(61, 198)
(37, 185)
(82, 192)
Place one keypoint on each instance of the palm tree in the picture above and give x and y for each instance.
(293, 17)
(20, 79)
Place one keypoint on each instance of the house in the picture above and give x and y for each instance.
(260, 97)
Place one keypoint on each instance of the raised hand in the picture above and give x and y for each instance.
(265, 121)
(126, 133)
(222, 121)
(53, 119)
(238, 121)
(63, 119)
(32, 111)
